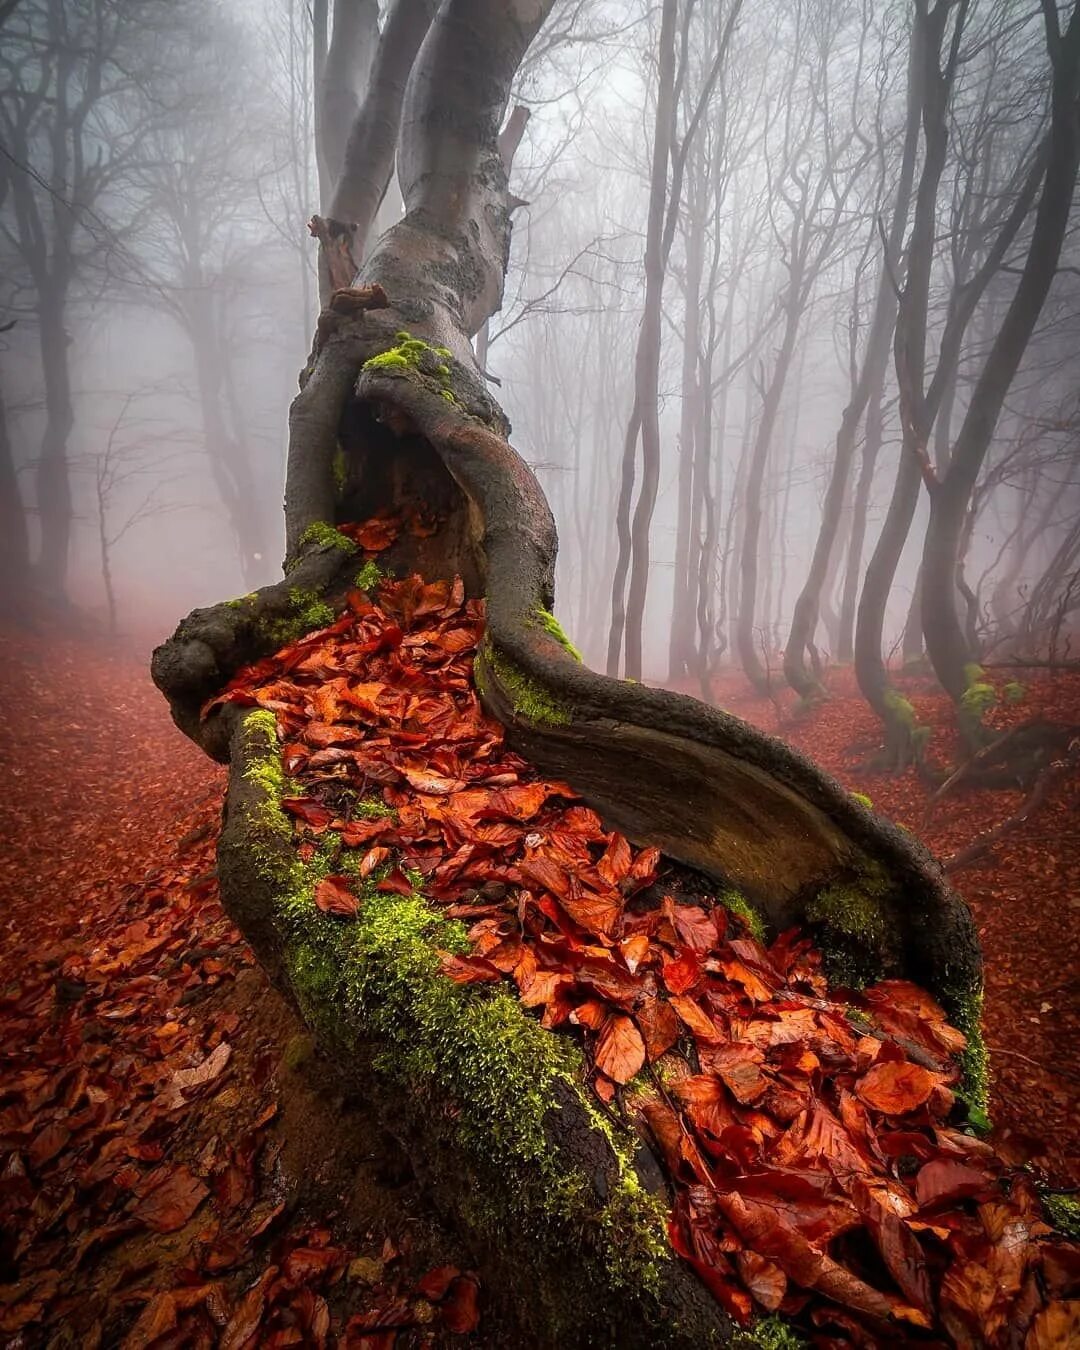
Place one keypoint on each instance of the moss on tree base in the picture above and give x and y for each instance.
(564, 1201)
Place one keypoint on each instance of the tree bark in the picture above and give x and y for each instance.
(702, 785)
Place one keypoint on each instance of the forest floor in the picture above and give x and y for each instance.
(162, 1152)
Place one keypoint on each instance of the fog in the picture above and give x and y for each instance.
(165, 236)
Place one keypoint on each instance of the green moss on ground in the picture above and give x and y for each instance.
(369, 576)
(1013, 692)
(978, 698)
(770, 1333)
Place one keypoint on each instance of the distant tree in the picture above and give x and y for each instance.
(74, 114)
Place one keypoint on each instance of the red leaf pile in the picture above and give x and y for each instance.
(807, 1135)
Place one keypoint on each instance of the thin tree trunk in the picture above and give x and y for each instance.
(745, 636)
(869, 382)
(681, 646)
(946, 643)
(647, 364)
(872, 438)
(14, 536)
(53, 482)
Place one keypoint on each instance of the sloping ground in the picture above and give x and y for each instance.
(148, 1186)
(1025, 893)
(168, 1175)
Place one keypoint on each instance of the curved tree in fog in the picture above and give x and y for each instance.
(393, 414)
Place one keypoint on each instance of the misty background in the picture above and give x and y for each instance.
(159, 289)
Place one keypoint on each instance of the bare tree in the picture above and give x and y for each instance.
(66, 68)
(950, 491)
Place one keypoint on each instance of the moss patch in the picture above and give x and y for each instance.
(741, 907)
(530, 700)
(473, 1065)
(855, 930)
(414, 356)
(974, 1089)
(321, 535)
(310, 612)
(1063, 1212)
(369, 576)
(544, 619)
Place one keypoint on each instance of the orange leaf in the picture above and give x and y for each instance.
(620, 1051)
(896, 1087)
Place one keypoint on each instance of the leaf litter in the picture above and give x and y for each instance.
(812, 1136)
(141, 1200)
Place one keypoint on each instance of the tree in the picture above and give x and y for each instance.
(418, 433)
(950, 491)
(866, 385)
(816, 168)
(66, 70)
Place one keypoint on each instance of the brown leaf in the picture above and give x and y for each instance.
(334, 895)
(459, 1311)
(169, 1204)
(620, 1051)
(896, 1087)
(659, 1026)
(436, 1282)
(1057, 1327)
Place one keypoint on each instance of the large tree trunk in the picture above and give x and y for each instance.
(562, 1206)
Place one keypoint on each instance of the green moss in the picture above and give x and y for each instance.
(472, 1062)
(863, 800)
(414, 356)
(899, 708)
(340, 468)
(298, 1052)
(856, 931)
(242, 601)
(550, 624)
(1063, 1212)
(530, 700)
(974, 1089)
(906, 741)
(978, 698)
(310, 612)
(742, 908)
(369, 576)
(1014, 692)
(769, 1333)
(321, 535)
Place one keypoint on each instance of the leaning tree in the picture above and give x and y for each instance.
(562, 1205)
